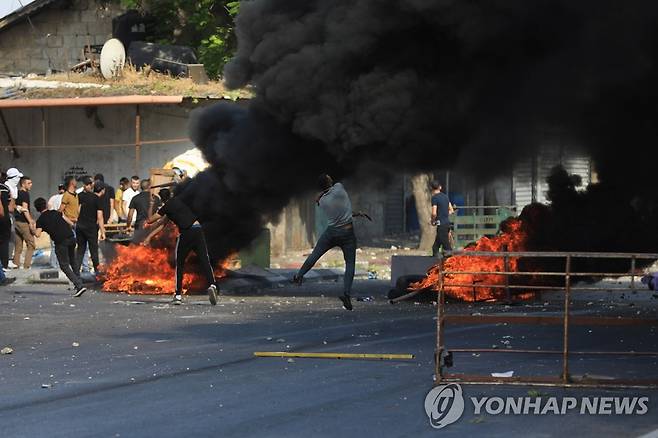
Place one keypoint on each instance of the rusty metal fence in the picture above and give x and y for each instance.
(444, 357)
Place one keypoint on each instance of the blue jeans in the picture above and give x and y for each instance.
(53, 257)
(332, 237)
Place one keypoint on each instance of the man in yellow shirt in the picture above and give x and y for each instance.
(70, 206)
(118, 198)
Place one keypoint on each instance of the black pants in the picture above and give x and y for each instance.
(192, 239)
(86, 235)
(5, 238)
(332, 237)
(65, 252)
(442, 239)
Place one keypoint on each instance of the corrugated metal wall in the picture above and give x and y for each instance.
(530, 174)
(394, 207)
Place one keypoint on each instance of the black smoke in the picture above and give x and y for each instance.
(370, 87)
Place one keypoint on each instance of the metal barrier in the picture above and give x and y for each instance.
(472, 226)
(443, 357)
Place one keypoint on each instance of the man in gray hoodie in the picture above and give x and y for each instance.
(335, 203)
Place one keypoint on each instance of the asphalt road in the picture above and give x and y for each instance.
(107, 365)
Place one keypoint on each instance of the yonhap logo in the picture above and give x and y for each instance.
(444, 405)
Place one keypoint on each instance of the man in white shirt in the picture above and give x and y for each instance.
(130, 193)
(55, 200)
(54, 203)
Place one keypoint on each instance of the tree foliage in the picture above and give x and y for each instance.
(205, 25)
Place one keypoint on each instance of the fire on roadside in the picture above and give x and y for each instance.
(139, 269)
(512, 237)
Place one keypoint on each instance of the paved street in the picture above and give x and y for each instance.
(116, 365)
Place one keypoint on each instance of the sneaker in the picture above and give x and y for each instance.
(212, 294)
(297, 279)
(12, 265)
(347, 302)
(80, 291)
(177, 300)
(7, 281)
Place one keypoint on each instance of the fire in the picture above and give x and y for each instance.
(513, 237)
(138, 269)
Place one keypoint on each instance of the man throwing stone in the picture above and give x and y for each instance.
(335, 203)
(60, 229)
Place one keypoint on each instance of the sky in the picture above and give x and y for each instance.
(9, 6)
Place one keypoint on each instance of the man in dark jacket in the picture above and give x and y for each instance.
(60, 230)
(90, 227)
(191, 238)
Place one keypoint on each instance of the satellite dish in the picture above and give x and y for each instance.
(113, 57)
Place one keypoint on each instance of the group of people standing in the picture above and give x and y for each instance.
(74, 217)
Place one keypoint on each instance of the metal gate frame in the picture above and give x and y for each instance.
(443, 357)
(472, 226)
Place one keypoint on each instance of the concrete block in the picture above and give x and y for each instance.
(83, 40)
(197, 73)
(38, 65)
(78, 28)
(101, 39)
(89, 16)
(410, 265)
(70, 41)
(55, 41)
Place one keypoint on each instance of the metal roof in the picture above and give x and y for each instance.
(25, 11)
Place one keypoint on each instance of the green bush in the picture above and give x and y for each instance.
(205, 25)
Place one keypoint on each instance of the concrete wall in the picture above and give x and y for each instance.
(58, 37)
(73, 136)
(72, 133)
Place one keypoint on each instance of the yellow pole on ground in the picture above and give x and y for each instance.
(333, 355)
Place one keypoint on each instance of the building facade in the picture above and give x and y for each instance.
(50, 35)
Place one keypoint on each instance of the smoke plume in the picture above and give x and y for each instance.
(349, 86)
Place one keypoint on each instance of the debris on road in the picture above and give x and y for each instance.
(7, 350)
(503, 374)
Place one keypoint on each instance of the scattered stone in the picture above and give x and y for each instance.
(75, 344)
(291, 360)
(46, 385)
(7, 350)
(281, 340)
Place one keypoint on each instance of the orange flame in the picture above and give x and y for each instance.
(513, 237)
(138, 269)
